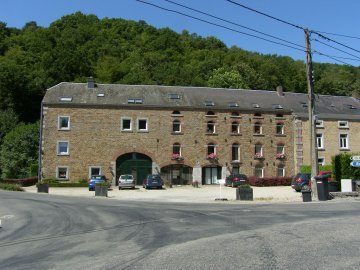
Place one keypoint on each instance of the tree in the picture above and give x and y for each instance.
(8, 121)
(19, 150)
(226, 79)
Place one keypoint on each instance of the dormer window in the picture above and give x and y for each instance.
(233, 104)
(135, 101)
(277, 107)
(174, 96)
(66, 99)
(255, 105)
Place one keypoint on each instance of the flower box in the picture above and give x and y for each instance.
(176, 157)
(280, 156)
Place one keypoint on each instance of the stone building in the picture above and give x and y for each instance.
(185, 133)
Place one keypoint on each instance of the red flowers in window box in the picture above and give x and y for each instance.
(176, 157)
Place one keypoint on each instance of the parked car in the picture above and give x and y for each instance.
(97, 179)
(126, 181)
(234, 180)
(153, 181)
(301, 181)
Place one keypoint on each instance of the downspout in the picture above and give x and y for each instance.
(40, 144)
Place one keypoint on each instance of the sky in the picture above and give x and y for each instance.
(337, 20)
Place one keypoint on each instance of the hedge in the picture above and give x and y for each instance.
(269, 181)
(11, 187)
(24, 182)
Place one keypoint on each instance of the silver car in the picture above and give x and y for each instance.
(126, 181)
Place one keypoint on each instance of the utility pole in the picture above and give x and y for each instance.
(312, 120)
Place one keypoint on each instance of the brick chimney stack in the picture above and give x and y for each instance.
(279, 90)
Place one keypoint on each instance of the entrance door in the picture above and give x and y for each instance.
(210, 175)
(136, 164)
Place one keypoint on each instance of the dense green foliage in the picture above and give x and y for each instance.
(77, 46)
(11, 187)
(19, 151)
(342, 167)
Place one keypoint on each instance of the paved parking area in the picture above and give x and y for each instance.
(204, 194)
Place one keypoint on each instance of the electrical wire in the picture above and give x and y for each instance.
(339, 43)
(340, 35)
(219, 25)
(233, 23)
(335, 48)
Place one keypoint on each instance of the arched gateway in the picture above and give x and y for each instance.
(137, 164)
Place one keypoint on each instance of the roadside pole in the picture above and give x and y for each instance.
(312, 120)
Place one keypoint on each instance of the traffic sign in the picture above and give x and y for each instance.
(355, 158)
(355, 163)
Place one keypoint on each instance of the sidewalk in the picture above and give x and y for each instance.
(189, 194)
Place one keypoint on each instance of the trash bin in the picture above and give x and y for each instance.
(322, 185)
(333, 186)
(306, 195)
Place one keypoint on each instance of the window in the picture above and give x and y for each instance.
(280, 128)
(257, 128)
(258, 151)
(174, 96)
(235, 128)
(176, 149)
(259, 171)
(63, 148)
(66, 99)
(320, 140)
(176, 112)
(233, 104)
(176, 128)
(210, 113)
(280, 149)
(255, 105)
(94, 170)
(344, 141)
(142, 125)
(279, 115)
(64, 122)
(235, 152)
(321, 161)
(62, 173)
(211, 149)
(319, 123)
(210, 127)
(235, 114)
(209, 103)
(343, 124)
(277, 106)
(280, 172)
(126, 124)
(135, 101)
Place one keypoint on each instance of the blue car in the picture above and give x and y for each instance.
(96, 179)
(153, 181)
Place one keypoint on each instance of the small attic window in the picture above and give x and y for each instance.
(174, 96)
(65, 99)
(233, 104)
(277, 106)
(176, 112)
(209, 103)
(101, 95)
(135, 101)
(255, 105)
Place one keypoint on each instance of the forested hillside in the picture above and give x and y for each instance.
(77, 46)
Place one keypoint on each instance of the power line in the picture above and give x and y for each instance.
(267, 15)
(219, 25)
(335, 56)
(339, 43)
(335, 48)
(340, 35)
(233, 23)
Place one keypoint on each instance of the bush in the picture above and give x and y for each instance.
(11, 187)
(269, 181)
(24, 182)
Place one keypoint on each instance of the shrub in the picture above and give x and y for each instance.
(11, 187)
(24, 182)
(269, 181)
(245, 186)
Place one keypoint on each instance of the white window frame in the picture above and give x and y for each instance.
(319, 123)
(67, 147)
(238, 151)
(280, 147)
(259, 169)
(66, 173)
(261, 149)
(343, 124)
(259, 126)
(321, 161)
(320, 140)
(342, 140)
(211, 145)
(122, 124)
(176, 145)
(235, 127)
(147, 124)
(280, 127)
(175, 123)
(60, 120)
(282, 168)
(212, 126)
(94, 167)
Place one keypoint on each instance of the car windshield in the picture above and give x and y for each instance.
(124, 177)
(98, 177)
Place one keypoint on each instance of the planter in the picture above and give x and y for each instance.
(306, 195)
(43, 188)
(195, 184)
(244, 194)
(101, 191)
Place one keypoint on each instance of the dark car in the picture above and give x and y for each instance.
(97, 179)
(301, 181)
(153, 181)
(234, 180)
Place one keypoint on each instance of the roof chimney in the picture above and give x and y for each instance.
(91, 83)
(279, 90)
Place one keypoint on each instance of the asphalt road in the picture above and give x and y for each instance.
(40, 231)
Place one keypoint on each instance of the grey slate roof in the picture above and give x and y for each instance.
(155, 96)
